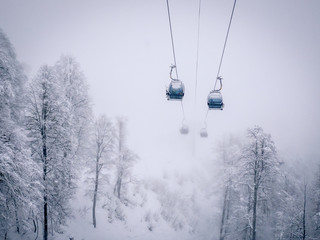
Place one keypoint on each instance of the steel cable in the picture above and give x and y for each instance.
(225, 43)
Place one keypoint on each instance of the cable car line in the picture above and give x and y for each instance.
(197, 58)
(203, 131)
(172, 42)
(175, 90)
(214, 99)
(182, 110)
(184, 128)
(196, 76)
(224, 46)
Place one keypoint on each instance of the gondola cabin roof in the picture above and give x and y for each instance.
(215, 96)
(176, 84)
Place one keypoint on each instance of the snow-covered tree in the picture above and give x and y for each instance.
(68, 73)
(58, 118)
(18, 173)
(229, 154)
(104, 138)
(259, 164)
(48, 125)
(176, 205)
(251, 187)
(124, 181)
(315, 206)
(124, 162)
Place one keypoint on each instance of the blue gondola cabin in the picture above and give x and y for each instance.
(203, 132)
(184, 129)
(175, 90)
(215, 100)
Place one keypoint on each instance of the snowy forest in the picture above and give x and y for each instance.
(60, 163)
(91, 149)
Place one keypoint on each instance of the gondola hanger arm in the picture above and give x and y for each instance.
(172, 67)
(220, 80)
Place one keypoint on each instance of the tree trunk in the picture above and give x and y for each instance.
(37, 228)
(117, 187)
(254, 210)
(95, 194)
(304, 212)
(45, 216)
(45, 206)
(222, 227)
(16, 216)
(227, 214)
(34, 225)
(44, 161)
(255, 192)
(94, 210)
(247, 230)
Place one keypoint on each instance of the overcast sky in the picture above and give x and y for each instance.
(271, 67)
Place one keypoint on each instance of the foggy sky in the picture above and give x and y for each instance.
(271, 68)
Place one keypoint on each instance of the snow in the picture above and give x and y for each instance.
(176, 197)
